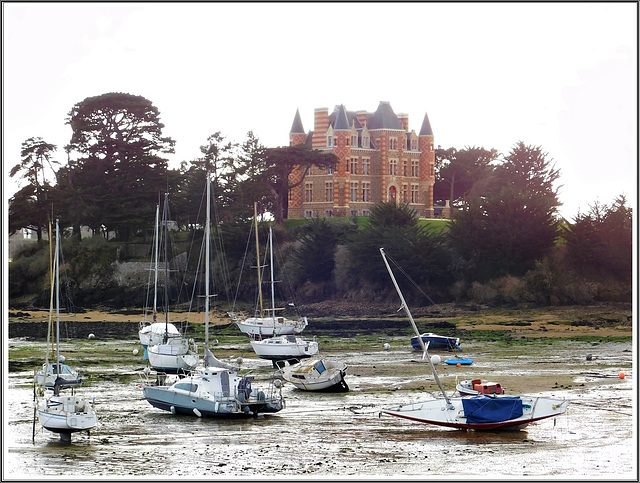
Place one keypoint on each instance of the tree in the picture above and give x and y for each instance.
(396, 228)
(119, 171)
(280, 163)
(599, 243)
(29, 207)
(513, 224)
(314, 255)
(461, 173)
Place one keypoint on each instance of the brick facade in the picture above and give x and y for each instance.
(379, 159)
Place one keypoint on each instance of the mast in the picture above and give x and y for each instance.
(413, 324)
(165, 216)
(255, 217)
(207, 236)
(56, 266)
(273, 297)
(155, 280)
(50, 341)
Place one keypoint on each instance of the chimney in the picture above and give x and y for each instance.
(362, 117)
(320, 127)
(404, 120)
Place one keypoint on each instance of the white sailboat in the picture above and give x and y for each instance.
(152, 333)
(483, 412)
(267, 323)
(316, 375)
(52, 371)
(62, 414)
(284, 347)
(174, 354)
(218, 389)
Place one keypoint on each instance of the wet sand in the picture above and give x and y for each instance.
(338, 436)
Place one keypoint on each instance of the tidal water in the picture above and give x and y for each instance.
(336, 436)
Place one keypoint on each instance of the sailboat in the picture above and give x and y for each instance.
(267, 323)
(174, 354)
(284, 348)
(153, 333)
(316, 375)
(62, 414)
(482, 412)
(218, 389)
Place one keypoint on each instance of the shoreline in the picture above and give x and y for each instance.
(605, 320)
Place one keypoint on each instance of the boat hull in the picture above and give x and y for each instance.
(270, 326)
(284, 348)
(306, 376)
(47, 376)
(477, 387)
(161, 398)
(66, 415)
(436, 342)
(440, 413)
(153, 334)
(174, 357)
(214, 392)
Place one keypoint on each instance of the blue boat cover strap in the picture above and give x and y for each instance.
(485, 409)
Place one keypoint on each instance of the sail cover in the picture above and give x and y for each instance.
(485, 409)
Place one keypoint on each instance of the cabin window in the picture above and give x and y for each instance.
(187, 386)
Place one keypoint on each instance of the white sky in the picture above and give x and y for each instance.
(562, 76)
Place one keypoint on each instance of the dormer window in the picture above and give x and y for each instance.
(330, 141)
(365, 142)
(354, 141)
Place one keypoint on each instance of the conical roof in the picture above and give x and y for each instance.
(296, 127)
(426, 130)
(341, 121)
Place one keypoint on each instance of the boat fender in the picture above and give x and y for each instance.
(173, 409)
(197, 412)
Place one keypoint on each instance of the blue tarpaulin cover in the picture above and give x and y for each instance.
(485, 409)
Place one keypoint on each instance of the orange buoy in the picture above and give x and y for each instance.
(621, 375)
(458, 364)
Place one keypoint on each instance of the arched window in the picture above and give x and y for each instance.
(393, 193)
